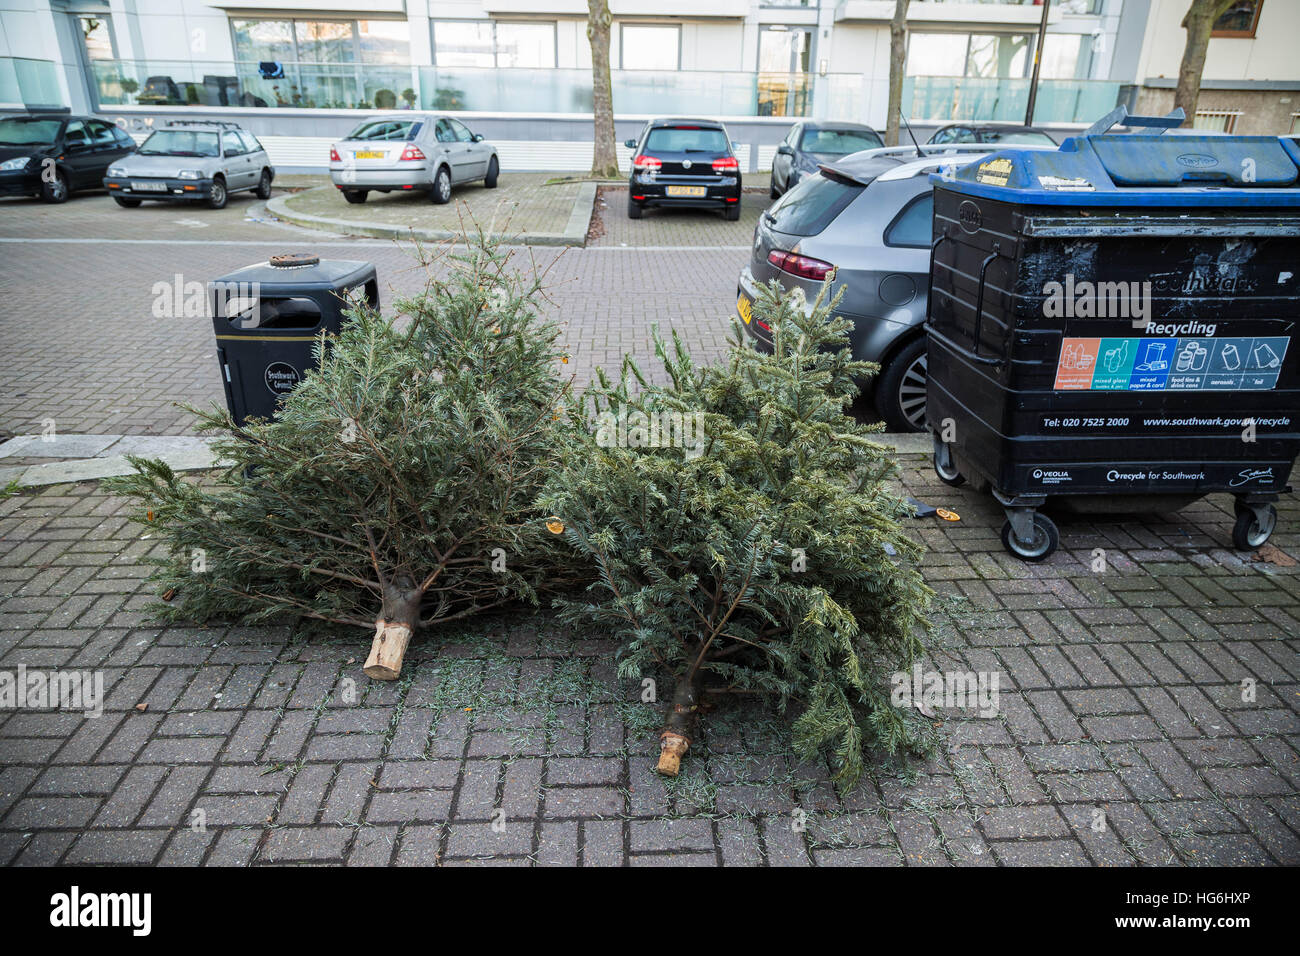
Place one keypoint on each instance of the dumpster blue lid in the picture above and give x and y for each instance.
(1139, 170)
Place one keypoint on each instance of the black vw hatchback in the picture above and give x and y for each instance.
(684, 162)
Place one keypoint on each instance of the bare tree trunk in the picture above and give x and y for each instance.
(604, 162)
(897, 59)
(1198, 23)
(397, 621)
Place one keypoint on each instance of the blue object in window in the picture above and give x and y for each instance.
(270, 70)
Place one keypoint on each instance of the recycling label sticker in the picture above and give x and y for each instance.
(1167, 364)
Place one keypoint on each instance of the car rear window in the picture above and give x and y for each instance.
(812, 205)
(687, 139)
(838, 141)
(385, 130)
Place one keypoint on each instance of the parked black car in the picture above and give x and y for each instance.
(999, 134)
(52, 155)
(684, 162)
(808, 145)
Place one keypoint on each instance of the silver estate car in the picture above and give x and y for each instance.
(415, 151)
(865, 218)
(192, 160)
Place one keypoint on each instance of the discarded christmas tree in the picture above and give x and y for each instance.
(745, 539)
(396, 488)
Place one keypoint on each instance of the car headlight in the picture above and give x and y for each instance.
(116, 172)
(22, 162)
(190, 174)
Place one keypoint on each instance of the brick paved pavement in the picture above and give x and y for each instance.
(678, 228)
(1123, 734)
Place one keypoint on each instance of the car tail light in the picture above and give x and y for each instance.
(801, 266)
(412, 152)
(726, 164)
(334, 155)
(647, 162)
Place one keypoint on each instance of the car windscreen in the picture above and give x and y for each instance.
(28, 132)
(393, 130)
(1028, 137)
(812, 205)
(687, 139)
(838, 142)
(180, 142)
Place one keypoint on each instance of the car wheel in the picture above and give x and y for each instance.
(355, 196)
(217, 197)
(441, 194)
(633, 209)
(490, 180)
(900, 393)
(732, 212)
(55, 190)
(126, 203)
(264, 185)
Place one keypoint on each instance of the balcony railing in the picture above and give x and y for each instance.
(844, 96)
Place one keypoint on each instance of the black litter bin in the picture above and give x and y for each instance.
(1111, 323)
(267, 317)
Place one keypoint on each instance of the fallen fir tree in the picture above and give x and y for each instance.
(744, 538)
(396, 488)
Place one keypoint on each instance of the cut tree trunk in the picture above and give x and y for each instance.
(393, 630)
(679, 728)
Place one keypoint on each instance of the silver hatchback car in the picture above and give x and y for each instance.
(411, 151)
(191, 160)
(864, 220)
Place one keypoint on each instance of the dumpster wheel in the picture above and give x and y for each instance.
(1255, 523)
(1043, 542)
(945, 466)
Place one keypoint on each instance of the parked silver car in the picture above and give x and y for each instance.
(191, 160)
(417, 151)
(865, 220)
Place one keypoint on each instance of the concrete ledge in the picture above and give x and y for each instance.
(574, 234)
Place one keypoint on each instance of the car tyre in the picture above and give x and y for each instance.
(494, 170)
(355, 196)
(126, 203)
(633, 209)
(264, 185)
(441, 193)
(218, 196)
(733, 212)
(900, 391)
(56, 190)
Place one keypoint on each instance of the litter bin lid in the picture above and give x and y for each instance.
(1139, 170)
(300, 270)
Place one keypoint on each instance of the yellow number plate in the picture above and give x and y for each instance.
(687, 191)
(368, 154)
(746, 313)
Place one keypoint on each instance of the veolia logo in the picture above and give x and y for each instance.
(969, 217)
(1197, 160)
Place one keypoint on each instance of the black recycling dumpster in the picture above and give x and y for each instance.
(267, 317)
(1112, 324)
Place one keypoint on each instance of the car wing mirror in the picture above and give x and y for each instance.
(231, 152)
(477, 137)
(785, 150)
(630, 143)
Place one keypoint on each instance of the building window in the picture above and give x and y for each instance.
(530, 45)
(488, 43)
(322, 41)
(644, 46)
(1239, 20)
(969, 54)
(1222, 121)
